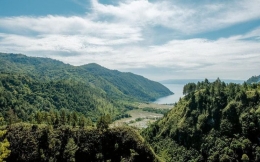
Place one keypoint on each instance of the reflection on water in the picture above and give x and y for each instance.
(176, 89)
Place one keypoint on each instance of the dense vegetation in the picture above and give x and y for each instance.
(23, 97)
(129, 83)
(155, 110)
(30, 142)
(214, 122)
(51, 111)
(253, 79)
(117, 85)
(64, 136)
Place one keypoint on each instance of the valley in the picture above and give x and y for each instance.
(45, 100)
(141, 118)
(129, 81)
(57, 111)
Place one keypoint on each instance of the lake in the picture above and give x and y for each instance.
(150, 117)
(177, 89)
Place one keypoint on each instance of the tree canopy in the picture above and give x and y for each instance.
(213, 122)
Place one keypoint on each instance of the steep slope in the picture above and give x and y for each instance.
(213, 122)
(118, 85)
(26, 96)
(129, 83)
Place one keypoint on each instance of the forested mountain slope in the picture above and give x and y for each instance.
(26, 96)
(213, 122)
(253, 79)
(129, 83)
(47, 110)
(116, 84)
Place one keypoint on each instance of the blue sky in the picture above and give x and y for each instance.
(159, 39)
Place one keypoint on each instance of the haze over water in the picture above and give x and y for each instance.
(176, 86)
(177, 89)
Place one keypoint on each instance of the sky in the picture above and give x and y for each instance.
(159, 39)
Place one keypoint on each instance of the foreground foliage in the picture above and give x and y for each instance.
(213, 122)
(4, 145)
(30, 142)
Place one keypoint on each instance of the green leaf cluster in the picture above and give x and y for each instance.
(4, 145)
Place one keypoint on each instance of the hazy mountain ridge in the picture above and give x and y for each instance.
(186, 81)
(253, 79)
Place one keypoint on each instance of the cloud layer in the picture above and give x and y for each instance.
(123, 37)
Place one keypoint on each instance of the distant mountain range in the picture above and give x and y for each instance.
(253, 79)
(186, 81)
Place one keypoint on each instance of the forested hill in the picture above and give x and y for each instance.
(51, 111)
(118, 85)
(253, 79)
(129, 83)
(214, 122)
(22, 98)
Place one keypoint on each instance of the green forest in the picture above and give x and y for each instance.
(41, 142)
(117, 85)
(215, 121)
(31, 86)
(24, 97)
(51, 111)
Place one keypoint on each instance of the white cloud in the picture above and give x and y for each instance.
(115, 36)
(83, 26)
(187, 19)
(55, 43)
(126, 21)
(193, 58)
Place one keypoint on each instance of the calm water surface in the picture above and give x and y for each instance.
(176, 89)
